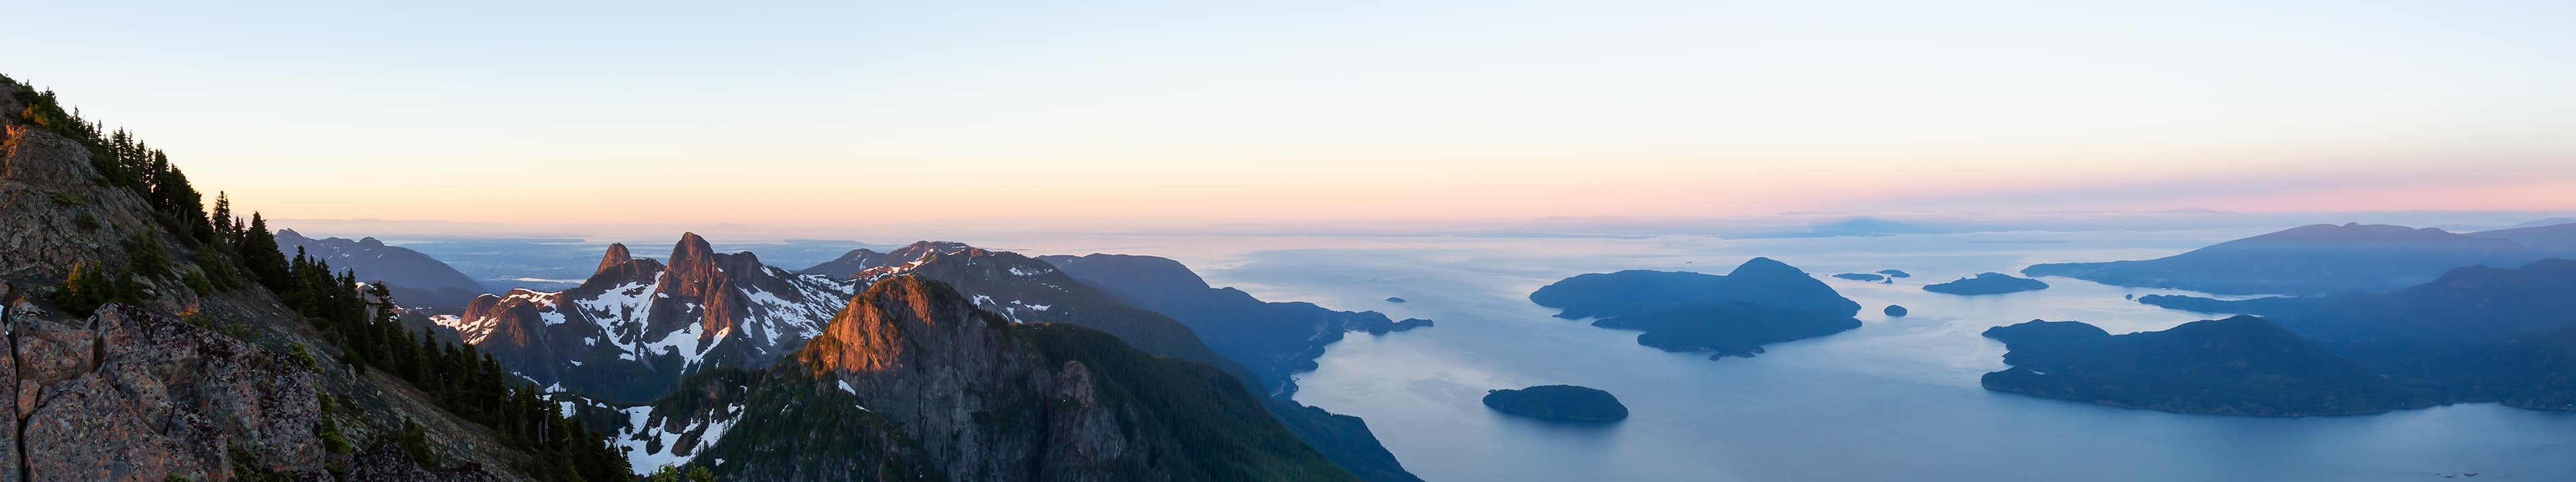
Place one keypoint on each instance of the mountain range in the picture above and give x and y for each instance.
(639, 336)
(2474, 334)
(637, 326)
(2326, 259)
(913, 381)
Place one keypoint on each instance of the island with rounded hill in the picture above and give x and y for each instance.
(1392, 299)
(1761, 302)
(1894, 310)
(1989, 283)
(1558, 402)
(1894, 273)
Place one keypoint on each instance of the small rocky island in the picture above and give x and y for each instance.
(1860, 276)
(1558, 402)
(1893, 310)
(1381, 326)
(1989, 283)
(1392, 299)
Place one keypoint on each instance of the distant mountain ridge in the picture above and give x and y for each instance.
(416, 279)
(2475, 334)
(2325, 259)
(1273, 339)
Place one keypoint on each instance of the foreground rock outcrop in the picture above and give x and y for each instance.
(131, 395)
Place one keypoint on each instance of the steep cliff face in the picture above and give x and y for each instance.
(912, 374)
(637, 326)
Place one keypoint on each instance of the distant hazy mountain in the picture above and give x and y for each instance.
(1761, 302)
(2475, 334)
(1859, 226)
(637, 326)
(416, 279)
(1273, 339)
(2550, 239)
(847, 265)
(2318, 259)
(2546, 222)
(2236, 366)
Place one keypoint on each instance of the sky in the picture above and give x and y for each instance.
(866, 113)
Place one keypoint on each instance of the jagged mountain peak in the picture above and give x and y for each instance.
(638, 325)
(617, 255)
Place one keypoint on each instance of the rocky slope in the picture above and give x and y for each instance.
(637, 326)
(1759, 303)
(175, 378)
(416, 279)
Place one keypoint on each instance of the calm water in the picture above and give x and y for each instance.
(1894, 400)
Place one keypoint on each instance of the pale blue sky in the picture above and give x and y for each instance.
(860, 112)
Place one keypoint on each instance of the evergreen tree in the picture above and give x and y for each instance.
(223, 216)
